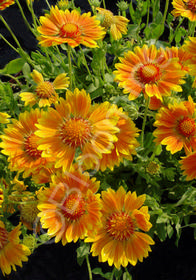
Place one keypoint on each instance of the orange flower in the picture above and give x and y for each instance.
(6, 3)
(188, 164)
(120, 238)
(184, 8)
(45, 93)
(117, 24)
(60, 27)
(176, 126)
(1, 198)
(12, 253)
(149, 70)
(70, 209)
(4, 118)
(20, 143)
(126, 144)
(181, 53)
(76, 126)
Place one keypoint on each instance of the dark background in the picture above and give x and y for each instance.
(57, 262)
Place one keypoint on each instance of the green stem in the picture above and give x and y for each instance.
(176, 29)
(85, 62)
(144, 121)
(8, 43)
(24, 17)
(165, 12)
(21, 52)
(89, 268)
(148, 13)
(48, 4)
(70, 68)
(104, 5)
(191, 28)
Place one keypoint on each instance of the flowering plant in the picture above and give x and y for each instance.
(98, 132)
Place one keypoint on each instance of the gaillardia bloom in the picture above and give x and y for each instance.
(184, 8)
(148, 70)
(1, 198)
(176, 127)
(120, 238)
(20, 143)
(116, 24)
(12, 253)
(188, 165)
(77, 127)
(70, 209)
(5, 3)
(72, 28)
(124, 148)
(45, 93)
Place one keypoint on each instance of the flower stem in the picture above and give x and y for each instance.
(165, 12)
(20, 51)
(70, 68)
(85, 62)
(9, 44)
(89, 268)
(144, 121)
(24, 17)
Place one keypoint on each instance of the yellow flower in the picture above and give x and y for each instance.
(60, 27)
(20, 143)
(4, 118)
(184, 8)
(6, 3)
(45, 93)
(120, 238)
(12, 253)
(116, 24)
(77, 127)
(1, 197)
(125, 146)
(176, 127)
(70, 209)
(148, 70)
(188, 165)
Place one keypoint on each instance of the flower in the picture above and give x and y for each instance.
(120, 238)
(28, 212)
(117, 24)
(176, 126)
(190, 45)
(149, 70)
(4, 118)
(6, 3)
(181, 53)
(45, 93)
(188, 165)
(1, 197)
(12, 253)
(70, 209)
(184, 8)
(154, 103)
(20, 143)
(60, 27)
(126, 144)
(76, 126)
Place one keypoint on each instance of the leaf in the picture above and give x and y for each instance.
(98, 271)
(82, 252)
(127, 276)
(161, 231)
(13, 67)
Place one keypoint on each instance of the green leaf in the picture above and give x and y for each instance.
(98, 271)
(127, 276)
(13, 67)
(161, 231)
(82, 252)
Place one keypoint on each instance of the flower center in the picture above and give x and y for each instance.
(3, 237)
(73, 206)
(44, 90)
(120, 226)
(191, 5)
(75, 132)
(31, 145)
(152, 167)
(187, 126)
(148, 73)
(29, 211)
(70, 30)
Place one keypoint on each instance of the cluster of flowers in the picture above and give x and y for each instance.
(59, 139)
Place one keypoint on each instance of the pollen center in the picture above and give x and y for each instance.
(187, 126)
(3, 237)
(120, 226)
(73, 206)
(30, 146)
(70, 30)
(44, 90)
(76, 132)
(191, 5)
(148, 73)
